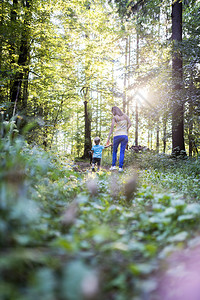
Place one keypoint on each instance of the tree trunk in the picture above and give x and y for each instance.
(148, 137)
(157, 137)
(178, 144)
(129, 63)
(136, 104)
(192, 145)
(97, 111)
(25, 87)
(125, 75)
(13, 50)
(88, 142)
(100, 115)
(1, 48)
(164, 134)
(151, 139)
(136, 124)
(137, 49)
(13, 34)
(17, 96)
(191, 141)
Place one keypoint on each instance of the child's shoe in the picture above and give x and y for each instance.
(120, 170)
(113, 168)
(93, 170)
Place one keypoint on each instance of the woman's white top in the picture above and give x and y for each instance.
(121, 127)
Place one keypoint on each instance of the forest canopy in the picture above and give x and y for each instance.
(59, 57)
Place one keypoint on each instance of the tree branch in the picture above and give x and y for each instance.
(134, 6)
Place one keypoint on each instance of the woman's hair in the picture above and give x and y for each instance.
(117, 111)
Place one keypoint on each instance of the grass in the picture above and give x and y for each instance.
(82, 235)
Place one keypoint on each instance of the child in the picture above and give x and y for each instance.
(97, 153)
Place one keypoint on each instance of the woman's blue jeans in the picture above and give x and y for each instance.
(123, 140)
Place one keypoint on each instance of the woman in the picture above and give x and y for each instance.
(122, 123)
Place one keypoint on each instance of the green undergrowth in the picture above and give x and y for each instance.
(74, 235)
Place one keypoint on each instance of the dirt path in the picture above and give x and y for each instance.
(84, 166)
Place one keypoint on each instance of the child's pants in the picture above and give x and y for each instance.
(123, 140)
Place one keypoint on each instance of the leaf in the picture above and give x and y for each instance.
(134, 245)
(44, 284)
(192, 208)
(119, 246)
(166, 251)
(178, 203)
(63, 243)
(185, 217)
(180, 237)
(143, 268)
(75, 275)
(169, 211)
(100, 233)
(159, 220)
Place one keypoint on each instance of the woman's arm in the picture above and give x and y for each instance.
(107, 146)
(111, 130)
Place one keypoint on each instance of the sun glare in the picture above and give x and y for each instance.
(143, 92)
(141, 95)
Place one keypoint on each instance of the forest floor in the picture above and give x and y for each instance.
(127, 235)
(166, 236)
(85, 166)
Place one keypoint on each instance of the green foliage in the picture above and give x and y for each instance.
(76, 44)
(88, 235)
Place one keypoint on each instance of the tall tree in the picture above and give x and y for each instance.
(88, 142)
(19, 96)
(1, 43)
(125, 74)
(178, 143)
